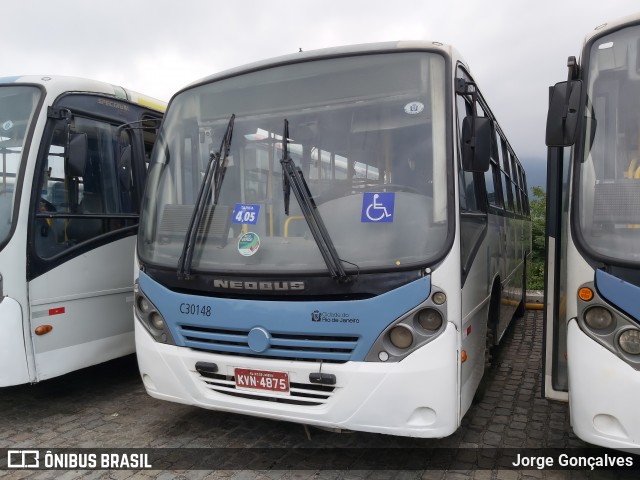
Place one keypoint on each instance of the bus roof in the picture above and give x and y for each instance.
(612, 25)
(56, 85)
(346, 50)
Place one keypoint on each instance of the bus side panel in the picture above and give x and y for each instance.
(88, 302)
(602, 386)
(475, 307)
(13, 356)
(511, 278)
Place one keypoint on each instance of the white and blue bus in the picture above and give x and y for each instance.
(592, 312)
(73, 156)
(336, 238)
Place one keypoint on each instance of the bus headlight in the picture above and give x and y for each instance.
(429, 318)
(150, 317)
(598, 318)
(156, 320)
(401, 337)
(144, 306)
(629, 341)
(412, 330)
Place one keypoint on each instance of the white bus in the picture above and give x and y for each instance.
(592, 312)
(73, 155)
(336, 238)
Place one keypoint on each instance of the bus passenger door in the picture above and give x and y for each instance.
(554, 360)
(82, 240)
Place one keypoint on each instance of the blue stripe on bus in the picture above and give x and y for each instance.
(331, 330)
(622, 294)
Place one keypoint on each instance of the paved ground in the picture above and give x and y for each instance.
(106, 406)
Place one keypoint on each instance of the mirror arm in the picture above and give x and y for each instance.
(572, 65)
(467, 88)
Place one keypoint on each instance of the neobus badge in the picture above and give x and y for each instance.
(258, 285)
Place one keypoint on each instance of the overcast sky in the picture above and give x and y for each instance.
(515, 48)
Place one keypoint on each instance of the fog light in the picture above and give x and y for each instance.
(429, 319)
(156, 321)
(401, 337)
(629, 341)
(598, 318)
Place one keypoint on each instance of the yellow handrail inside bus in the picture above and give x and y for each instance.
(287, 221)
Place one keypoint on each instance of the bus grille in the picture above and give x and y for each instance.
(292, 346)
(305, 394)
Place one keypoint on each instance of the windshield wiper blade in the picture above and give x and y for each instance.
(214, 174)
(292, 178)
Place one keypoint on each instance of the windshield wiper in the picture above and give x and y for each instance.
(214, 173)
(292, 178)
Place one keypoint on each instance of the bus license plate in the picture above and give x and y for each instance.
(247, 378)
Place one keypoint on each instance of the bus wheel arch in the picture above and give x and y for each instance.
(493, 317)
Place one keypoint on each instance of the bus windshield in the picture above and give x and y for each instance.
(17, 107)
(367, 134)
(609, 176)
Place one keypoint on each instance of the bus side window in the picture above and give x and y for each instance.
(492, 176)
(466, 180)
(472, 193)
(89, 204)
(507, 192)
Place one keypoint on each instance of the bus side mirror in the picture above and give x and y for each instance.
(562, 118)
(76, 154)
(476, 143)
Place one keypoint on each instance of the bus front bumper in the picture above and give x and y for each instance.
(417, 397)
(602, 393)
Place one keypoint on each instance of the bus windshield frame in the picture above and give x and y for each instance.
(19, 105)
(606, 212)
(368, 133)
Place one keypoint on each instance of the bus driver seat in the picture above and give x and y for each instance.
(82, 229)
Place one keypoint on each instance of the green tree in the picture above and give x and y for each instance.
(538, 205)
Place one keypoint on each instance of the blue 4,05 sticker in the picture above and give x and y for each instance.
(378, 207)
(246, 213)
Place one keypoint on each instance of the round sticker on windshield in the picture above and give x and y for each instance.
(248, 244)
(6, 126)
(413, 108)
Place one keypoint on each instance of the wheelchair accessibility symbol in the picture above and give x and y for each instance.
(377, 207)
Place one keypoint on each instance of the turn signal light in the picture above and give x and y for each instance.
(585, 294)
(42, 329)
